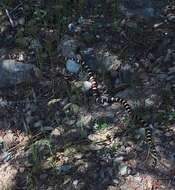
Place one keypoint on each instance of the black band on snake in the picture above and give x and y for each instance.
(110, 100)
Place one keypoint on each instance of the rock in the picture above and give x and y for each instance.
(123, 169)
(102, 61)
(14, 73)
(75, 108)
(75, 183)
(8, 176)
(86, 86)
(21, 21)
(127, 74)
(104, 117)
(149, 102)
(116, 181)
(171, 18)
(126, 94)
(9, 139)
(71, 27)
(141, 132)
(56, 133)
(68, 46)
(72, 66)
(55, 137)
(43, 176)
(64, 169)
(74, 134)
(118, 159)
(95, 147)
(131, 24)
(38, 124)
(99, 60)
(146, 9)
(69, 121)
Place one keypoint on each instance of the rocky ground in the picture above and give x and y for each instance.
(52, 134)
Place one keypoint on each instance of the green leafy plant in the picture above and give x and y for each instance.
(115, 146)
(30, 182)
(100, 126)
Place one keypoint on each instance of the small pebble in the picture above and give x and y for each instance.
(75, 183)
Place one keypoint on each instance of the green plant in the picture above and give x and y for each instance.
(115, 147)
(30, 182)
(115, 14)
(35, 157)
(35, 148)
(100, 126)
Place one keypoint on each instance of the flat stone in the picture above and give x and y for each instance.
(14, 73)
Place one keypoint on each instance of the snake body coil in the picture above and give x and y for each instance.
(110, 100)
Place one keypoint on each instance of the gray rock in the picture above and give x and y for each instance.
(75, 134)
(86, 86)
(69, 121)
(75, 183)
(102, 61)
(72, 66)
(99, 60)
(151, 101)
(147, 9)
(123, 169)
(55, 137)
(38, 124)
(68, 46)
(119, 159)
(127, 74)
(63, 169)
(14, 73)
(127, 94)
(43, 176)
(171, 18)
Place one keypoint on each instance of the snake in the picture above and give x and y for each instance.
(152, 153)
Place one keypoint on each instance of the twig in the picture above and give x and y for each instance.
(16, 7)
(10, 19)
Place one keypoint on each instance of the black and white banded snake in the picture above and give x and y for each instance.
(152, 153)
